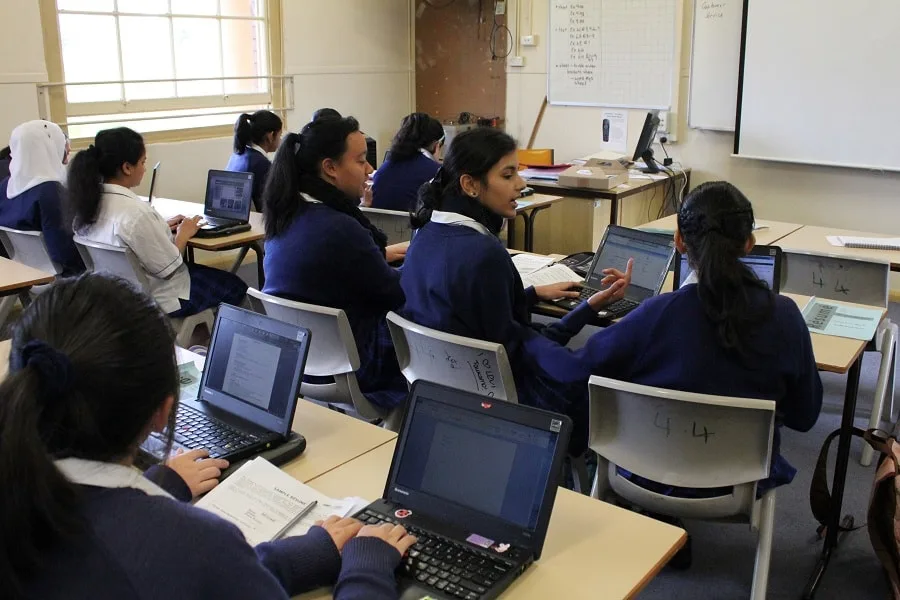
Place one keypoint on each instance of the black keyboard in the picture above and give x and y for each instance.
(617, 309)
(193, 429)
(451, 567)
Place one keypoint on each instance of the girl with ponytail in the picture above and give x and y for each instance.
(254, 137)
(411, 162)
(321, 249)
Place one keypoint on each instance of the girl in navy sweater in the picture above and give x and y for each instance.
(254, 136)
(321, 249)
(412, 161)
(459, 278)
(79, 521)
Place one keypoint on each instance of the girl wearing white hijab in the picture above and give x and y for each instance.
(32, 197)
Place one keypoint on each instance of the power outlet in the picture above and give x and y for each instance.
(500, 7)
(516, 61)
(529, 40)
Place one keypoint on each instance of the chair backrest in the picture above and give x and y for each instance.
(836, 277)
(535, 157)
(116, 260)
(681, 438)
(28, 248)
(394, 223)
(452, 360)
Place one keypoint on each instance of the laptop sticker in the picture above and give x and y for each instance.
(500, 548)
(480, 541)
(555, 425)
(402, 513)
(486, 405)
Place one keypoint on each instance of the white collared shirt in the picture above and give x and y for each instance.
(428, 154)
(124, 220)
(451, 218)
(259, 149)
(107, 475)
(692, 278)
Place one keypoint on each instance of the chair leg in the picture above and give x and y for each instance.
(764, 547)
(888, 347)
(600, 487)
(6, 305)
(579, 474)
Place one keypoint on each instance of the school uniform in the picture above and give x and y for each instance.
(458, 278)
(395, 185)
(40, 208)
(328, 258)
(124, 220)
(253, 160)
(140, 542)
(669, 342)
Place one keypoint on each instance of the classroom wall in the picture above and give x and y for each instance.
(837, 197)
(22, 64)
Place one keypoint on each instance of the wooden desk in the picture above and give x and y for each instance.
(528, 208)
(770, 232)
(812, 239)
(16, 277)
(593, 549)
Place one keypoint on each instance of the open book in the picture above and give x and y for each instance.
(540, 270)
(261, 500)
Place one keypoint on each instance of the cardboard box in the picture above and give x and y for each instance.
(595, 174)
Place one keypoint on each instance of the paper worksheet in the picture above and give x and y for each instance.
(550, 275)
(831, 318)
(529, 263)
(189, 381)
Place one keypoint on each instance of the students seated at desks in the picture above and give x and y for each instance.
(254, 136)
(459, 278)
(5, 155)
(32, 197)
(412, 161)
(107, 211)
(92, 371)
(321, 249)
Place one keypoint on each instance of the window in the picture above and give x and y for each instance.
(185, 66)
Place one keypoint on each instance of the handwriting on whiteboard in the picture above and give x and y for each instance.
(697, 430)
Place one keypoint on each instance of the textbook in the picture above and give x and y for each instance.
(262, 500)
(872, 243)
(550, 275)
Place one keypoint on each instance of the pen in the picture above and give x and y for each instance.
(305, 511)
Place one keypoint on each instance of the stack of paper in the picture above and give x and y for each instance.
(872, 243)
(550, 275)
(529, 263)
(261, 500)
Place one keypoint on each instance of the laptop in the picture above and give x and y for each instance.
(153, 183)
(474, 480)
(765, 261)
(248, 391)
(652, 254)
(229, 197)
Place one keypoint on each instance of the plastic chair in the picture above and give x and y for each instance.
(462, 363)
(535, 157)
(394, 223)
(332, 354)
(29, 248)
(688, 440)
(121, 261)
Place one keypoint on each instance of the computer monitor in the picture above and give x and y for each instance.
(644, 149)
(153, 182)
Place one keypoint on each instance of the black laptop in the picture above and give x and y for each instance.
(765, 261)
(248, 392)
(229, 197)
(153, 183)
(474, 480)
(652, 254)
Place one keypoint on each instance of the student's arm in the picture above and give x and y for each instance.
(367, 571)
(803, 402)
(368, 271)
(58, 235)
(302, 563)
(149, 238)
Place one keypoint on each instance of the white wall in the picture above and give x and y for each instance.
(22, 65)
(804, 194)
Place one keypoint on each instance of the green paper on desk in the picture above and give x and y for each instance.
(830, 318)
(189, 381)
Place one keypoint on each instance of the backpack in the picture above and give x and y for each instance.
(883, 518)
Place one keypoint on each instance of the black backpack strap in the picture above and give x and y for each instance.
(819, 492)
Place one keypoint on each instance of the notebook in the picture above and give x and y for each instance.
(871, 243)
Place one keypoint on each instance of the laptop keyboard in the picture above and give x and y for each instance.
(622, 305)
(194, 429)
(452, 567)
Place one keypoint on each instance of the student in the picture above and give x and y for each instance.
(79, 521)
(411, 163)
(460, 279)
(321, 249)
(254, 136)
(107, 211)
(32, 197)
(325, 113)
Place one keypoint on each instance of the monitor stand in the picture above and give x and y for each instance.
(652, 166)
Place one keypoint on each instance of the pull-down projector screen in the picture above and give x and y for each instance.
(820, 83)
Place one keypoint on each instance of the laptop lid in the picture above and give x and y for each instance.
(153, 182)
(652, 254)
(485, 467)
(254, 367)
(765, 261)
(229, 195)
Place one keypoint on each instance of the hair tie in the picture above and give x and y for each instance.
(55, 368)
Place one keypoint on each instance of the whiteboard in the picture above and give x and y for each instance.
(715, 62)
(820, 83)
(613, 53)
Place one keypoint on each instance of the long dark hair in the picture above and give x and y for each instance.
(418, 130)
(102, 160)
(92, 360)
(251, 129)
(296, 168)
(473, 153)
(716, 221)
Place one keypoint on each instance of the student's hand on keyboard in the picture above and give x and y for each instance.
(603, 298)
(395, 535)
(174, 222)
(396, 252)
(200, 473)
(555, 291)
(188, 228)
(341, 530)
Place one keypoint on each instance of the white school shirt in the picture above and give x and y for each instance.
(107, 475)
(451, 218)
(124, 220)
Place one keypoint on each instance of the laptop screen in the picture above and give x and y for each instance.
(652, 256)
(229, 195)
(477, 460)
(761, 264)
(254, 367)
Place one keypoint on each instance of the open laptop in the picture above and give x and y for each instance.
(474, 480)
(153, 183)
(229, 197)
(765, 261)
(652, 254)
(248, 392)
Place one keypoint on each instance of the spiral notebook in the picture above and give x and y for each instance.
(870, 243)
